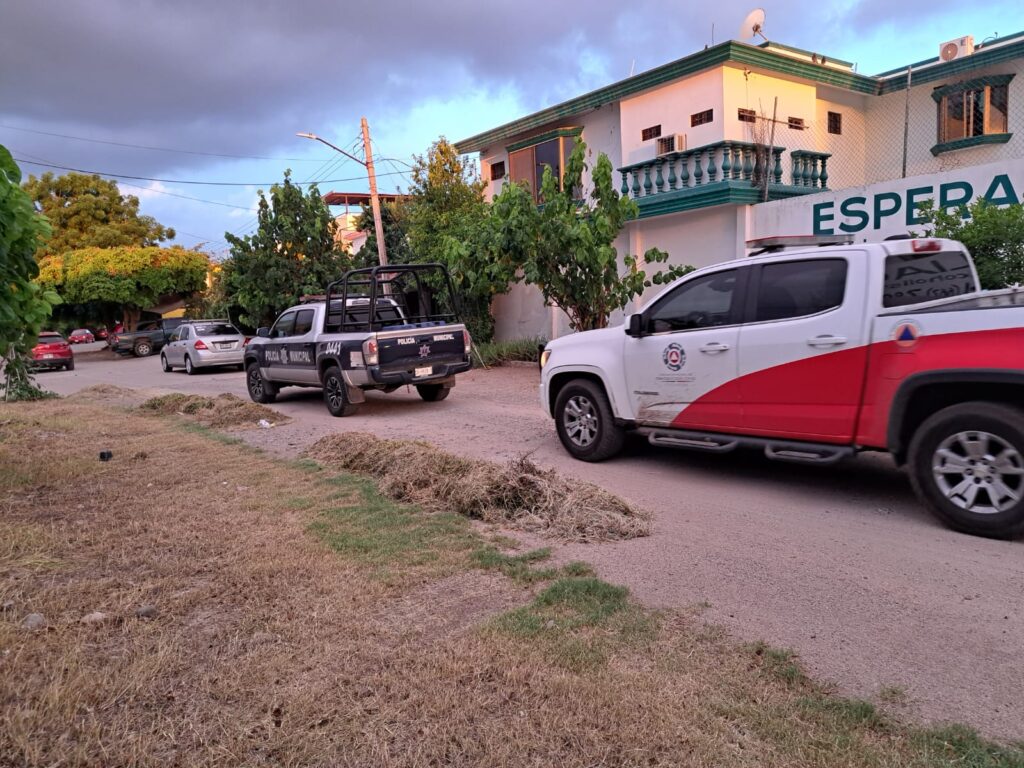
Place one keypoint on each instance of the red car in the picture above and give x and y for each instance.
(52, 351)
(81, 336)
(100, 334)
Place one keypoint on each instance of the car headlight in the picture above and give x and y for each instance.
(544, 357)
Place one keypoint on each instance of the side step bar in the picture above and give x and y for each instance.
(778, 450)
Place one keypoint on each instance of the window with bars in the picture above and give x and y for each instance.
(702, 118)
(835, 123)
(650, 133)
(796, 123)
(978, 111)
(746, 115)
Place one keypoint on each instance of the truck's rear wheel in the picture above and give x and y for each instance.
(585, 423)
(143, 349)
(967, 464)
(432, 392)
(336, 393)
(260, 390)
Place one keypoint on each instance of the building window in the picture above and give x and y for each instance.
(747, 115)
(835, 123)
(527, 164)
(650, 133)
(702, 118)
(796, 123)
(498, 170)
(977, 111)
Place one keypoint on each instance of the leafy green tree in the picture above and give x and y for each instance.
(293, 252)
(994, 235)
(24, 305)
(447, 218)
(565, 246)
(394, 219)
(90, 212)
(132, 277)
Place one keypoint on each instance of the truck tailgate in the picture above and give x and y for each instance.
(408, 350)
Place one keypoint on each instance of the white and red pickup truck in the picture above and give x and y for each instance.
(813, 355)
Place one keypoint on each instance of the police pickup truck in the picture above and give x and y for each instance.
(377, 328)
(812, 355)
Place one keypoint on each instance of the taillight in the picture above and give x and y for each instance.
(467, 341)
(200, 344)
(370, 356)
(924, 246)
(247, 340)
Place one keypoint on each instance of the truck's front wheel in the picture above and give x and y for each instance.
(967, 464)
(260, 390)
(585, 423)
(336, 393)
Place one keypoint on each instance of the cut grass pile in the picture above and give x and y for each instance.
(300, 618)
(518, 494)
(225, 410)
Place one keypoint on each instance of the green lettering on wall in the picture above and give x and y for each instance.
(946, 200)
(1002, 181)
(882, 212)
(821, 218)
(846, 211)
(915, 197)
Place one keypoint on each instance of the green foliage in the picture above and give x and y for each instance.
(565, 246)
(293, 252)
(134, 277)
(994, 235)
(24, 305)
(499, 352)
(394, 219)
(90, 212)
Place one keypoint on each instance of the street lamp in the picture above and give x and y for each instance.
(378, 225)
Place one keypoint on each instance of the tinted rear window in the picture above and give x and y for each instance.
(915, 277)
(216, 329)
(55, 339)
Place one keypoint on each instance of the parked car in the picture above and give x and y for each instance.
(81, 336)
(378, 328)
(814, 355)
(100, 333)
(203, 344)
(52, 352)
(147, 339)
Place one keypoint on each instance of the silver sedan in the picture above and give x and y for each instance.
(199, 344)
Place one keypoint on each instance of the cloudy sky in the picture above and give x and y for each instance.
(194, 90)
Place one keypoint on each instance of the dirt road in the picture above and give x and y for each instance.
(840, 564)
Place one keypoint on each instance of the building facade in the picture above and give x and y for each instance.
(740, 141)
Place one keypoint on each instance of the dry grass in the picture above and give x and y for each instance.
(519, 494)
(278, 642)
(225, 410)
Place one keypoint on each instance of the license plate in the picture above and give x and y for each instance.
(421, 372)
(50, 357)
(225, 346)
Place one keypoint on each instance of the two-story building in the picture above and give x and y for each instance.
(740, 141)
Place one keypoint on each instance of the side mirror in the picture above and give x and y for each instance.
(263, 333)
(635, 325)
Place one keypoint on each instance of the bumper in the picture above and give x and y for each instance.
(51, 363)
(205, 358)
(397, 377)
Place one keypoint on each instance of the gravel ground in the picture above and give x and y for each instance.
(838, 563)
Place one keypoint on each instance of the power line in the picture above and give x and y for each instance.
(189, 181)
(184, 197)
(160, 149)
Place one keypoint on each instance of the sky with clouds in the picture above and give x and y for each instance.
(227, 84)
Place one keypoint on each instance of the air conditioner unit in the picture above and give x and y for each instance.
(957, 49)
(669, 144)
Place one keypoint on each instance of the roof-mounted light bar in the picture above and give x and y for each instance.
(779, 242)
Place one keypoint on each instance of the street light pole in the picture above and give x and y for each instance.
(378, 225)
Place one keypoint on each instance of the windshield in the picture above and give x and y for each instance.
(216, 329)
(51, 339)
(79, 332)
(911, 278)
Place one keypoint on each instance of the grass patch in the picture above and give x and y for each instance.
(780, 663)
(224, 410)
(957, 746)
(521, 568)
(498, 352)
(518, 494)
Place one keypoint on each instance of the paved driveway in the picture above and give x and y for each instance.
(839, 563)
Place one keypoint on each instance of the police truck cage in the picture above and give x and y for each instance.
(781, 242)
(402, 295)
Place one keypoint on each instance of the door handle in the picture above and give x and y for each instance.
(826, 341)
(714, 347)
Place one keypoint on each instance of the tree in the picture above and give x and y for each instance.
(565, 246)
(994, 235)
(394, 219)
(90, 212)
(447, 218)
(24, 305)
(131, 277)
(293, 252)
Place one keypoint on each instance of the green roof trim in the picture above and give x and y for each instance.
(971, 141)
(971, 85)
(935, 59)
(985, 57)
(731, 191)
(541, 138)
(793, 49)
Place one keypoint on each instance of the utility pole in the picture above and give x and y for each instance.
(378, 225)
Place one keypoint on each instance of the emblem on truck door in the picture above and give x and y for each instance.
(674, 357)
(425, 350)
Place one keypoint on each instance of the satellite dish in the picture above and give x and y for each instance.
(753, 25)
